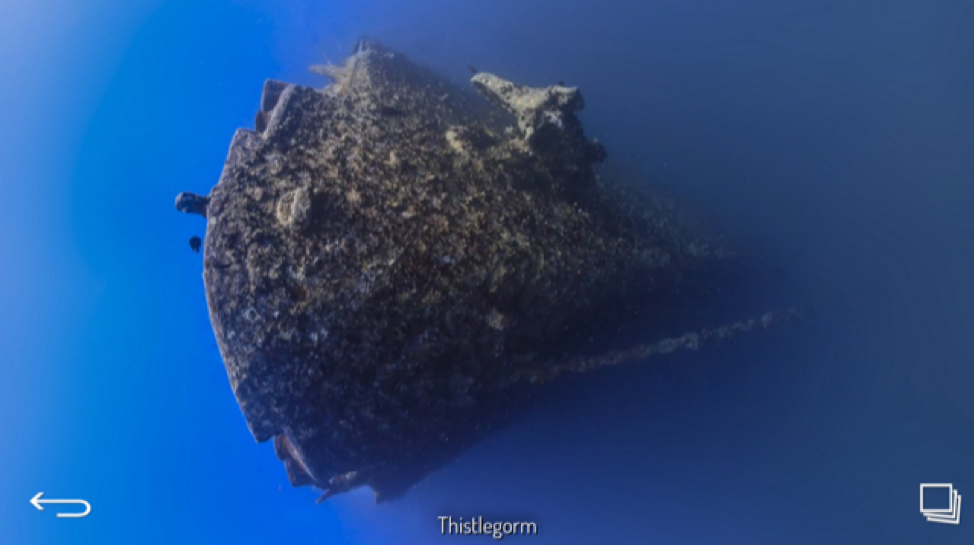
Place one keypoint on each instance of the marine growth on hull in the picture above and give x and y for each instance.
(391, 260)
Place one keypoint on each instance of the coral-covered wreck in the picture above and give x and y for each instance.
(391, 259)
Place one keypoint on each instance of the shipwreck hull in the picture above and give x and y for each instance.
(388, 260)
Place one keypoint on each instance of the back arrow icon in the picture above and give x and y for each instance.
(36, 501)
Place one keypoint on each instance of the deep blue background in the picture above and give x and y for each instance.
(835, 137)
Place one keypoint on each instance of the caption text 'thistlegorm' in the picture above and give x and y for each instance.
(476, 526)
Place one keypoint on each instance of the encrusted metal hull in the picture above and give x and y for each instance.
(390, 259)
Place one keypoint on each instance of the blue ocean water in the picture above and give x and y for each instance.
(834, 138)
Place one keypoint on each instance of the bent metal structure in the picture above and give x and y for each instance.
(390, 260)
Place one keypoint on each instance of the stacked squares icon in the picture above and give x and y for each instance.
(940, 502)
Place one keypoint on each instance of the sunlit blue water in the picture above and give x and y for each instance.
(834, 138)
